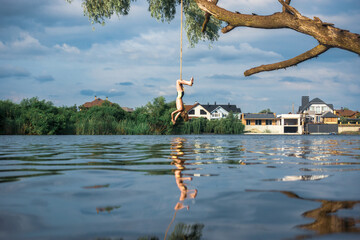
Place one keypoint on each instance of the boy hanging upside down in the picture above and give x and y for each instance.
(179, 102)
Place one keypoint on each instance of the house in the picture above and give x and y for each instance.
(126, 109)
(314, 109)
(318, 116)
(350, 120)
(261, 123)
(272, 123)
(329, 118)
(346, 113)
(98, 102)
(291, 123)
(212, 111)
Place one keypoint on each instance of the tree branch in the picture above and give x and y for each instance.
(316, 51)
(207, 16)
(325, 33)
(288, 3)
(292, 10)
(227, 29)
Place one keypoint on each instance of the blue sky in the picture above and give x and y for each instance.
(49, 49)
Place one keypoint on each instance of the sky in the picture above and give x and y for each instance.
(50, 50)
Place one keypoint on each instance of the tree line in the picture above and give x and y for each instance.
(39, 117)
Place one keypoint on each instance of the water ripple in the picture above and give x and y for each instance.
(32, 157)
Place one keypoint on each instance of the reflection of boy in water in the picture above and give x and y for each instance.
(183, 189)
(177, 147)
(180, 164)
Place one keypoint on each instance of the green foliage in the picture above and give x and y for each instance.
(344, 120)
(99, 120)
(99, 11)
(228, 125)
(35, 117)
(194, 18)
(266, 111)
(159, 115)
(163, 10)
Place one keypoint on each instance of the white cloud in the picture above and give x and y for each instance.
(248, 49)
(62, 31)
(249, 6)
(24, 44)
(63, 9)
(139, 50)
(67, 48)
(26, 41)
(145, 48)
(231, 53)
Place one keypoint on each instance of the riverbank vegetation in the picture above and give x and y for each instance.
(40, 117)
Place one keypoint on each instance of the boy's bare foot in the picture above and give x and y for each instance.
(193, 195)
(180, 205)
(192, 81)
(173, 121)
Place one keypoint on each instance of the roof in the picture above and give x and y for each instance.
(212, 107)
(189, 107)
(315, 101)
(96, 102)
(227, 107)
(346, 113)
(126, 109)
(329, 115)
(259, 116)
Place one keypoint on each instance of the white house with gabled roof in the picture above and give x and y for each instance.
(212, 111)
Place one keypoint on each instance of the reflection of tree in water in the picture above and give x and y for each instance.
(187, 231)
(106, 209)
(181, 230)
(325, 220)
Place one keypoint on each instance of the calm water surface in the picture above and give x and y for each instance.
(180, 187)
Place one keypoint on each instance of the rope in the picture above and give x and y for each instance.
(170, 224)
(181, 38)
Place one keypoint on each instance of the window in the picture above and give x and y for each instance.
(318, 109)
(192, 112)
(257, 122)
(202, 112)
(290, 122)
(248, 122)
(268, 122)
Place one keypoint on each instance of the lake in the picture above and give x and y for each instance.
(180, 187)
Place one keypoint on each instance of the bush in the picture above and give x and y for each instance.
(35, 117)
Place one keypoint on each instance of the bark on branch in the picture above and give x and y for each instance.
(207, 16)
(326, 34)
(316, 51)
